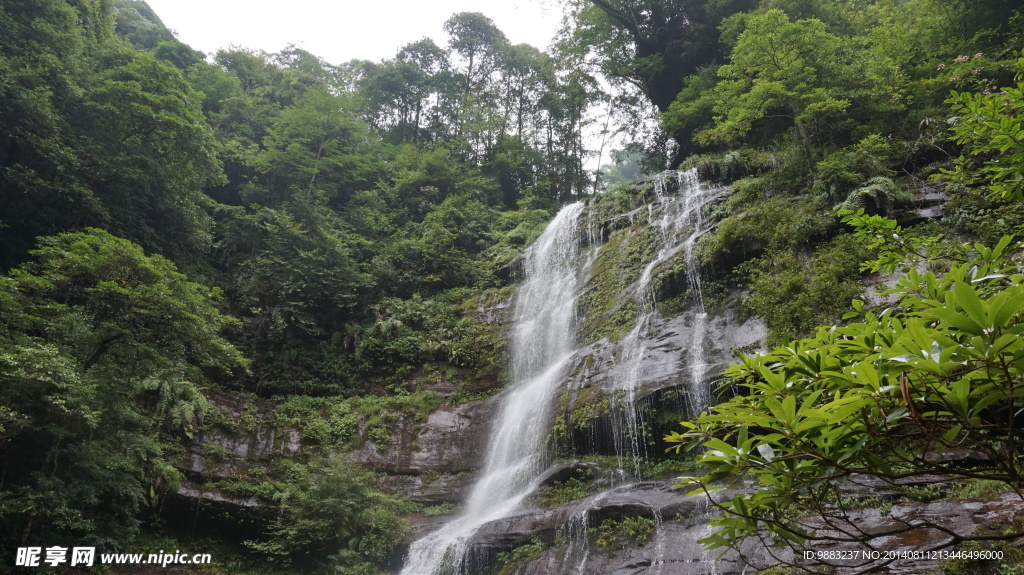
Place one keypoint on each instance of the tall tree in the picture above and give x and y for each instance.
(93, 133)
(651, 44)
(103, 355)
(480, 46)
(780, 67)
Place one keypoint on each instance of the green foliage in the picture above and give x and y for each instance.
(1010, 563)
(295, 282)
(105, 351)
(760, 225)
(618, 264)
(668, 468)
(896, 248)
(990, 127)
(510, 110)
(440, 510)
(96, 134)
(810, 82)
(332, 514)
(321, 421)
(509, 561)
(986, 489)
(646, 46)
(794, 69)
(571, 489)
(614, 534)
(316, 147)
(137, 23)
(514, 231)
(976, 212)
(729, 166)
(841, 172)
(793, 297)
(578, 411)
(879, 195)
(346, 423)
(417, 330)
(938, 370)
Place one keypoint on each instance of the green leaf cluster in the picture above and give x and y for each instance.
(94, 133)
(988, 123)
(941, 369)
(105, 353)
(333, 516)
(614, 534)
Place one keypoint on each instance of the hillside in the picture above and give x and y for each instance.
(375, 316)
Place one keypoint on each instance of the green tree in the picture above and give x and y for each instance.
(395, 92)
(94, 133)
(43, 46)
(476, 39)
(147, 154)
(652, 44)
(104, 354)
(295, 285)
(139, 25)
(797, 70)
(990, 125)
(332, 515)
(317, 147)
(647, 49)
(480, 47)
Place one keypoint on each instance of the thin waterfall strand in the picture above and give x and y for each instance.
(543, 341)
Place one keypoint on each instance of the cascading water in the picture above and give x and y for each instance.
(543, 341)
(678, 221)
(544, 355)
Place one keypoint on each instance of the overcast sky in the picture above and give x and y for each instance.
(342, 30)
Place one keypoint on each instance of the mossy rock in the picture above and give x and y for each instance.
(607, 309)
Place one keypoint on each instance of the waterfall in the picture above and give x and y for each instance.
(543, 342)
(544, 354)
(678, 221)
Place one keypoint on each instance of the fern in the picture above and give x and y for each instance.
(879, 194)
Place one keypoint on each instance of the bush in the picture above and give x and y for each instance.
(939, 369)
(332, 512)
(793, 295)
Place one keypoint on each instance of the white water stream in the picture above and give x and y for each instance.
(543, 341)
(678, 221)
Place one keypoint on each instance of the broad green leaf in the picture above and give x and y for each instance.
(968, 299)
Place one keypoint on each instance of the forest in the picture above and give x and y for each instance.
(181, 232)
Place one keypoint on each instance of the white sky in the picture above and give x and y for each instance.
(343, 30)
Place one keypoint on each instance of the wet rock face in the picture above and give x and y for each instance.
(226, 454)
(663, 374)
(572, 544)
(222, 453)
(428, 489)
(927, 204)
(251, 441)
(572, 541)
(430, 462)
(666, 359)
(452, 440)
